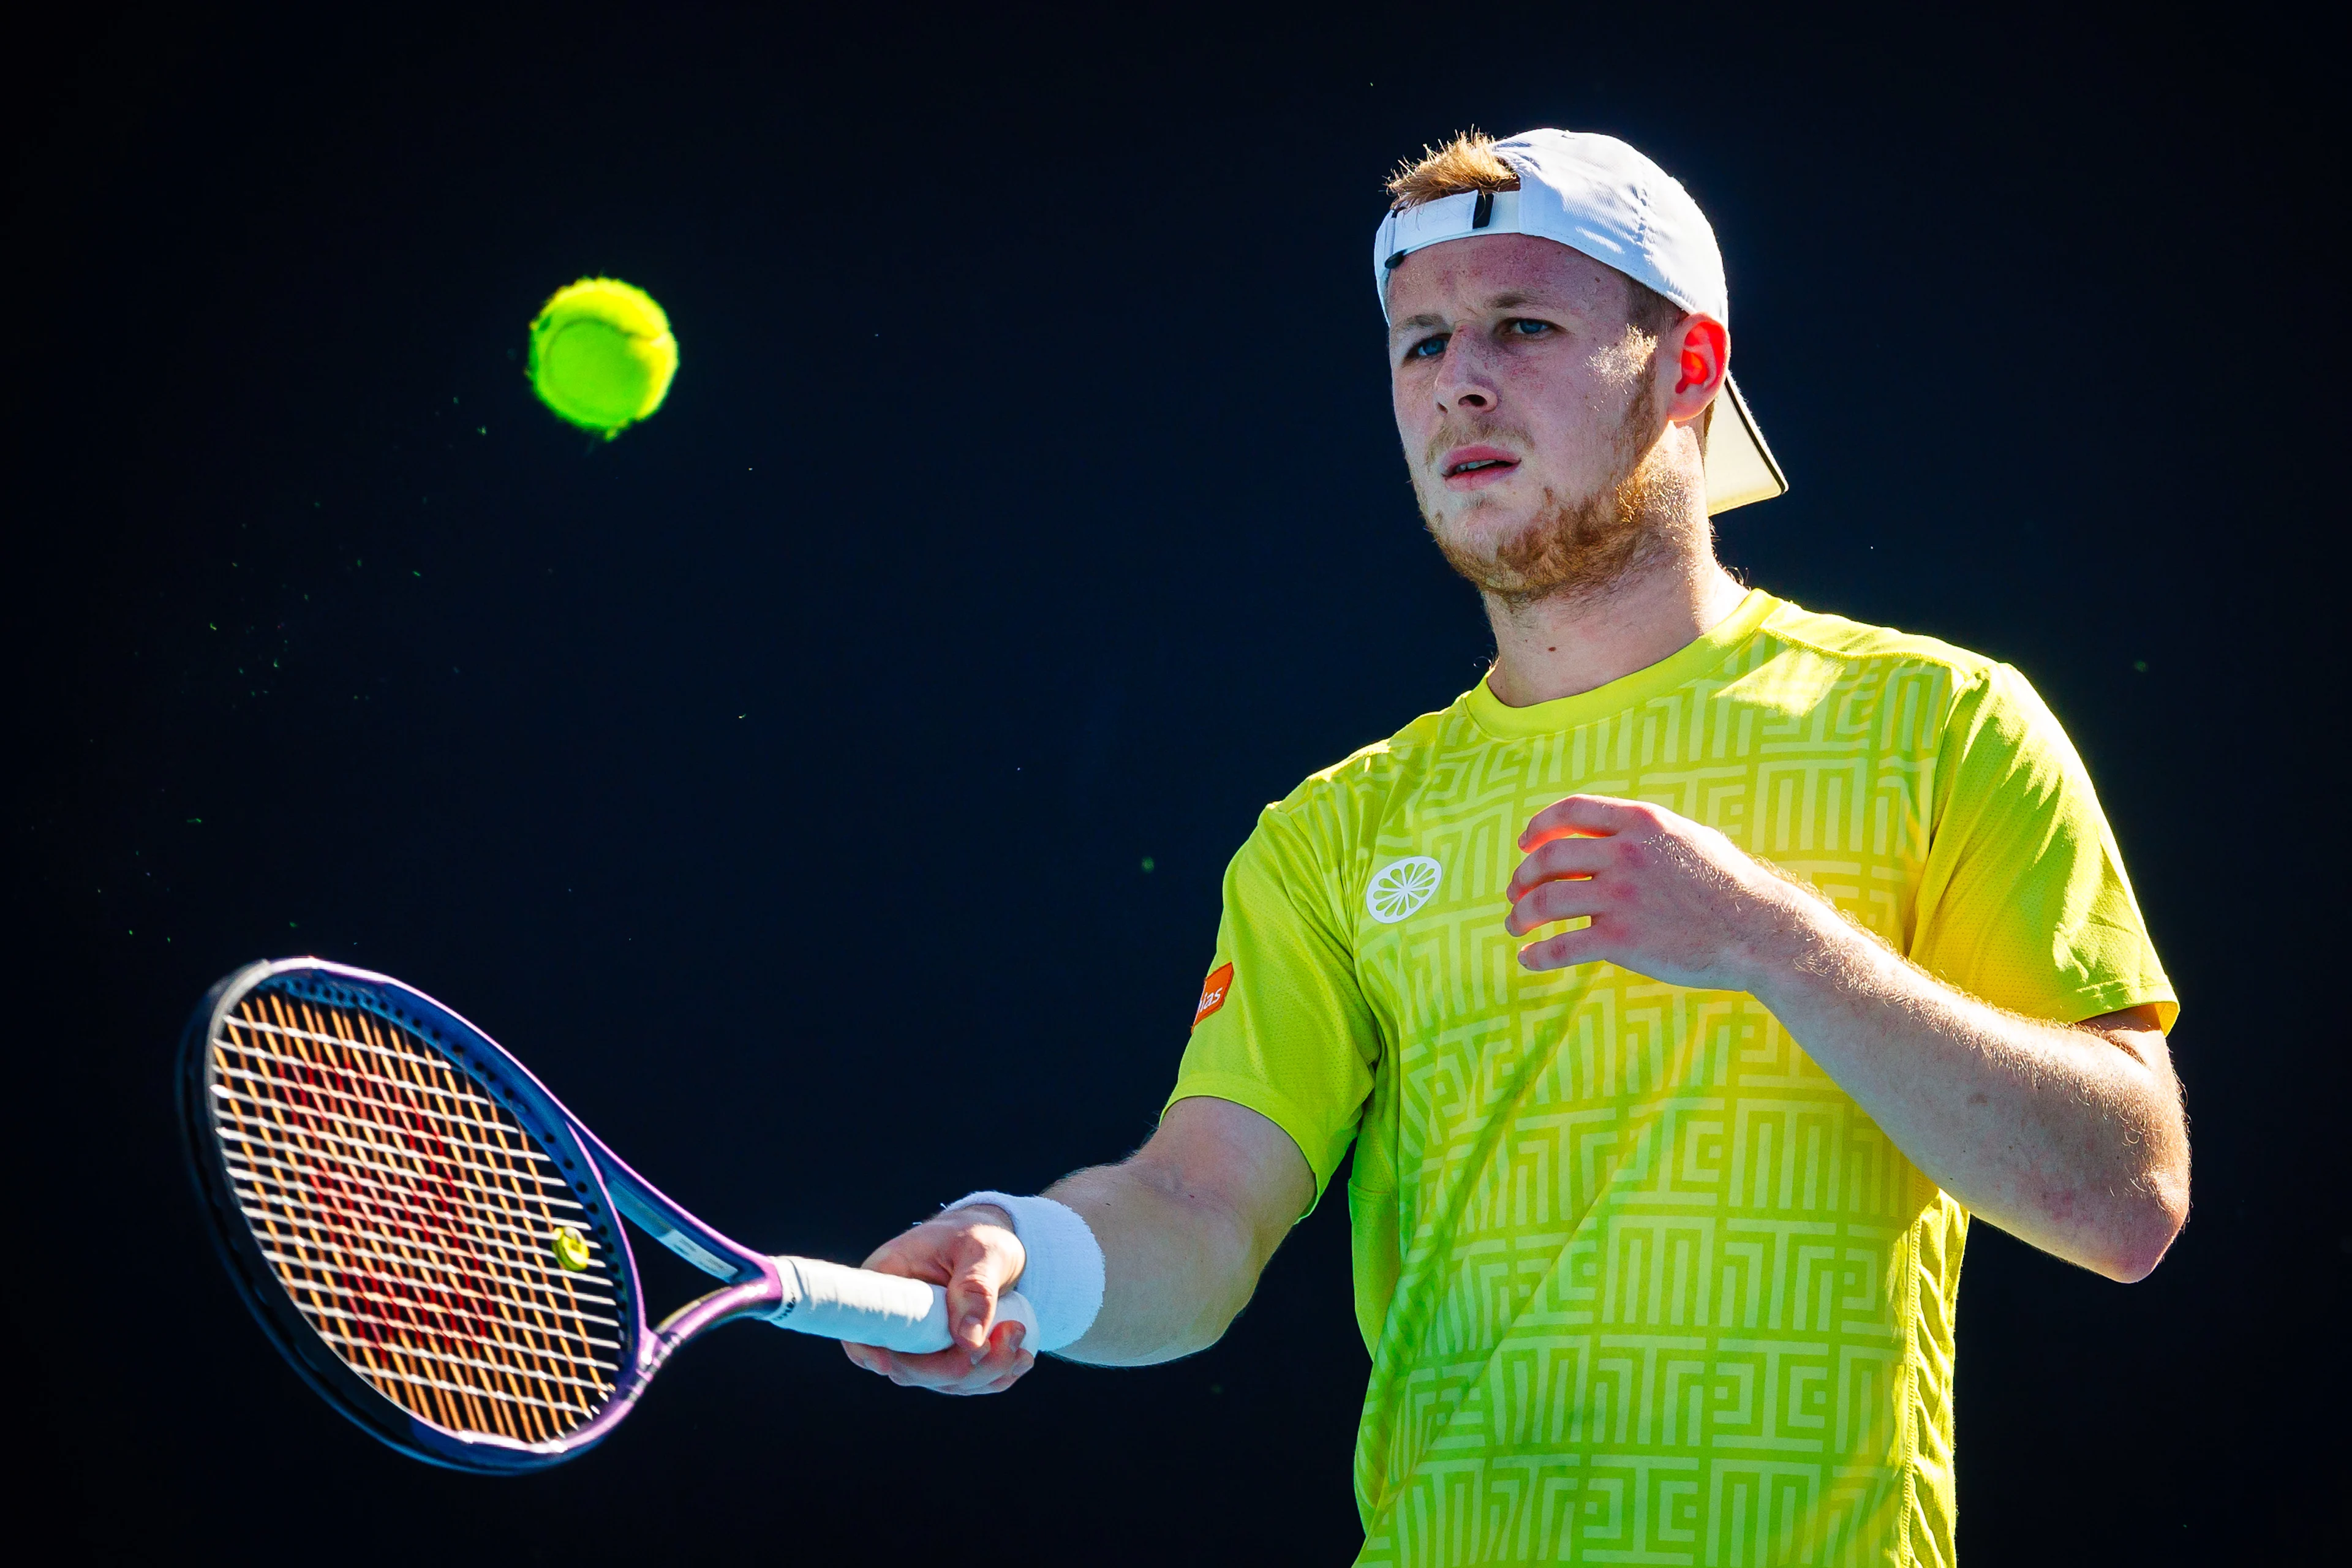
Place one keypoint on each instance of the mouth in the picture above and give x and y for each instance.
(1472, 467)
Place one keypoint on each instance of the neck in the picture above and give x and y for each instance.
(1559, 646)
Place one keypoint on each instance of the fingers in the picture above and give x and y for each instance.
(1560, 901)
(922, 1253)
(1006, 1360)
(1563, 951)
(971, 1297)
(1561, 857)
(992, 1368)
(1584, 813)
(974, 1254)
(1563, 880)
(967, 1252)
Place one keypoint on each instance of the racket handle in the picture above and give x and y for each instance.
(865, 1308)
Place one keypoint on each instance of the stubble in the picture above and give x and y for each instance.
(1580, 548)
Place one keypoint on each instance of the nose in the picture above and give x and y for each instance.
(1463, 384)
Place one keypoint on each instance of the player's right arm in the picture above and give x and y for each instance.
(1186, 1224)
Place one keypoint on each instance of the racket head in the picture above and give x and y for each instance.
(386, 1187)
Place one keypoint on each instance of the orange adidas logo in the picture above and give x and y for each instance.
(1213, 990)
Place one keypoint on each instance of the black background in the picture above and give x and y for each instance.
(777, 780)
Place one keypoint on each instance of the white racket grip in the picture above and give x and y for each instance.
(838, 1302)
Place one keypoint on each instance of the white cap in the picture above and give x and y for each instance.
(1599, 196)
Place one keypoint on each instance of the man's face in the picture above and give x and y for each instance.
(1526, 407)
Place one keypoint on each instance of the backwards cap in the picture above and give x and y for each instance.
(1600, 198)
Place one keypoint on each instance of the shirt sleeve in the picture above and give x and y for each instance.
(2024, 902)
(1283, 1027)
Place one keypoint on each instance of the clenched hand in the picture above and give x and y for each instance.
(1667, 897)
(974, 1254)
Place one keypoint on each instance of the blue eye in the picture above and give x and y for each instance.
(1428, 348)
(1526, 329)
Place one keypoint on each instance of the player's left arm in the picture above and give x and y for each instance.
(2069, 1136)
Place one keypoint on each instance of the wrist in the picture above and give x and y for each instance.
(1062, 1269)
(1803, 942)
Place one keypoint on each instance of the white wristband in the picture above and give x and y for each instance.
(1064, 1275)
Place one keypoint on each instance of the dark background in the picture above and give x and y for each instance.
(778, 780)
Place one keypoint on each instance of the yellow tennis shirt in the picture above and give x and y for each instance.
(1640, 1282)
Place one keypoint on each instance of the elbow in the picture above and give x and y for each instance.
(2152, 1225)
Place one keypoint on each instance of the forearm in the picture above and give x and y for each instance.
(1185, 1225)
(1179, 1262)
(2070, 1137)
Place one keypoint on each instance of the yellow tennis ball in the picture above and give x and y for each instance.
(601, 354)
(570, 1248)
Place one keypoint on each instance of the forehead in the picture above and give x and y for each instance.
(1462, 275)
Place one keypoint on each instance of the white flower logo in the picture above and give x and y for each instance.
(1401, 887)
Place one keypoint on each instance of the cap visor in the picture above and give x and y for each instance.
(1739, 466)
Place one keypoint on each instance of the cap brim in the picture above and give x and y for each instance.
(1739, 466)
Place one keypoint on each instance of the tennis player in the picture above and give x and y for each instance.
(1684, 988)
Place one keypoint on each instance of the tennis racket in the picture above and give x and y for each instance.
(435, 1243)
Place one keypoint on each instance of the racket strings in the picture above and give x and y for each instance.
(410, 1218)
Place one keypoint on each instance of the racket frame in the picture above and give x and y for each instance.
(605, 1188)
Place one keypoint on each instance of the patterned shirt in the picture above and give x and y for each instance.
(1640, 1282)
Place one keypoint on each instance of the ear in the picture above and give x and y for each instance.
(1694, 357)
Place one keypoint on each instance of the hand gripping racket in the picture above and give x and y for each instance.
(435, 1243)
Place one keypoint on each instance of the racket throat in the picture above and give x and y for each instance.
(663, 1226)
(756, 1299)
